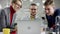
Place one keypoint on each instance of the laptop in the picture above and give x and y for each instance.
(29, 27)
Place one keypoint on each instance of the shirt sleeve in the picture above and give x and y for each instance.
(3, 19)
(57, 18)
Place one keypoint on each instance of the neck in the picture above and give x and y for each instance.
(52, 14)
(12, 10)
(32, 17)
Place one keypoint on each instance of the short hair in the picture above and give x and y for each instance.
(48, 2)
(14, 1)
(33, 4)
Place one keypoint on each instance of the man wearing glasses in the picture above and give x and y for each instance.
(8, 16)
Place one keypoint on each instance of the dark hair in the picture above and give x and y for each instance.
(48, 2)
(33, 4)
(14, 1)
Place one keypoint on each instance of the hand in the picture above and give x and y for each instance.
(15, 28)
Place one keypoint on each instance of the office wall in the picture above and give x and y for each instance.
(57, 3)
(4, 3)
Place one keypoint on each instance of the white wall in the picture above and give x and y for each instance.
(57, 3)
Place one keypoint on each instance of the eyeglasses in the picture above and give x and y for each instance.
(19, 5)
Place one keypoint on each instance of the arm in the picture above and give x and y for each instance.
(2, 16)
(14, 27)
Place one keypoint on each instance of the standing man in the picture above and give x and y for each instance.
(51, 13)
(8, 15)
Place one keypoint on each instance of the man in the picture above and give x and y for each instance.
(33, 13)
(9, 15)
(51, 13)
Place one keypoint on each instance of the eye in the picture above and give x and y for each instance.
(33, 9)
(48, 9)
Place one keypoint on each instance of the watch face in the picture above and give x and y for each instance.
(29, 27)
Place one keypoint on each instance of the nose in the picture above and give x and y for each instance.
(18, 7)
(33, 11)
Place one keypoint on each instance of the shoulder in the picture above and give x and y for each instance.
(2, 11)
(57, 11)
(5, 10)
(26, 18)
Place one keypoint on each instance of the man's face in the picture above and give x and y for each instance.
(49, 10)
(17, 5)
(33, 10)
